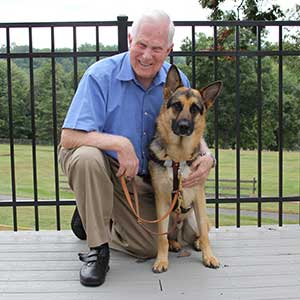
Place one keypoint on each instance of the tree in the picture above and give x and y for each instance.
(20, 102)
(248, 114)
(249, 9)
(44, 99)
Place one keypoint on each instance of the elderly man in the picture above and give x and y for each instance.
(106, 134)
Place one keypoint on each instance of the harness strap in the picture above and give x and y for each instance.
(176, 182)
(165, 163)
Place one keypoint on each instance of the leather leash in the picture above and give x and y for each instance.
(175, 195)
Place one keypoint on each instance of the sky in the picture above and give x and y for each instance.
(96, 10)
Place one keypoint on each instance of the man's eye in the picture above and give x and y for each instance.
(157, 50)
(142, 46)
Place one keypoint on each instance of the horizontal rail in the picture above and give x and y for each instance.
(243, 23)
(209, 200)
(206, 53)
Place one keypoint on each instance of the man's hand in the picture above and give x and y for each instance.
(129, 163)
(200, 171)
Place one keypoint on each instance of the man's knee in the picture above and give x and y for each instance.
(88, 159)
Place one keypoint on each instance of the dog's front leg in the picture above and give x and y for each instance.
(202, 243)
(161, 263)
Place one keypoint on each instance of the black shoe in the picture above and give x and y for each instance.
(77, 226)
(96, 266)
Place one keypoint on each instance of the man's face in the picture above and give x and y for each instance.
(148, 50)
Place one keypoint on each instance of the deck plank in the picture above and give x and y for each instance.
(256, 263)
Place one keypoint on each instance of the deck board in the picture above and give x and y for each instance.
(256, 263)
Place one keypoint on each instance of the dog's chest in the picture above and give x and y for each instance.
(189, 194)
(183, 170)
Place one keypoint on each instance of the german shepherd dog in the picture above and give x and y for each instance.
(179, 129)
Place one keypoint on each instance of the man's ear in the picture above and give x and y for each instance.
(173, 82)
(210, 93)
(129, 39)
(170, 49)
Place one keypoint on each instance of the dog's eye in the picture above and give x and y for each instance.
(177, 106)
(195, 109)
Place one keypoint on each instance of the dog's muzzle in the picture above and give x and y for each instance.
(182, 127)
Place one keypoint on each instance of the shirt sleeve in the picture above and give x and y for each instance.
(87, 111)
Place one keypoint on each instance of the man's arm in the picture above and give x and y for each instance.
(129, 163)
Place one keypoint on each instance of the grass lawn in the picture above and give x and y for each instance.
(26, 221)
(24, 172)
(227, 170)
(270, 170)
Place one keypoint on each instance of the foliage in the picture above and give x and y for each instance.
(23, 102)
(250, 9)
(245, 107)
(44, 99)
(19, 114)
(35, 112)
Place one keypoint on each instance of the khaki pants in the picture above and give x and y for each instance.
(100, 199)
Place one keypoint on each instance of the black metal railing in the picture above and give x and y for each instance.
(214, 52)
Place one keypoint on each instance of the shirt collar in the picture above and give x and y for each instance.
(160, 78)
(126, 72)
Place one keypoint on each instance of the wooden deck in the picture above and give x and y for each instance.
(257, 263)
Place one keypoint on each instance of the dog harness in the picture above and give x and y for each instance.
(176, 169)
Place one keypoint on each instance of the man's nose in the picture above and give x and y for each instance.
(147, 53)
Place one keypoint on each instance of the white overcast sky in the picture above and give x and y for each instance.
(95, 10)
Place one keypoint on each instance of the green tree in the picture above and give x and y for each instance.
(246, 10)
(44, 99)
(248, 114)
(20, 102)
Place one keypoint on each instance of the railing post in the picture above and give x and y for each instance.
(122, 33)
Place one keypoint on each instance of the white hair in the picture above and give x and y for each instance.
(155, 16)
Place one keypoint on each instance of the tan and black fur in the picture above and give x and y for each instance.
(179, 129)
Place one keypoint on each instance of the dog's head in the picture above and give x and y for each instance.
(187, 106)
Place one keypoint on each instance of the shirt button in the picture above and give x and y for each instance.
(145, 133)
(145, 113)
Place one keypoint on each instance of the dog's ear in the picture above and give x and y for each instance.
(173, 82)
(210, 93)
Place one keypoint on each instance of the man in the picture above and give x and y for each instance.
(106, 134)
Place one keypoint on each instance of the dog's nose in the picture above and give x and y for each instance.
(184, 127)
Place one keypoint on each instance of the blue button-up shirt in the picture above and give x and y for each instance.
(109, 99)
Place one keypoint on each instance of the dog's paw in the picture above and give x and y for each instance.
(197, 246)
(211, 262)
(174, 246)
(160, 266)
